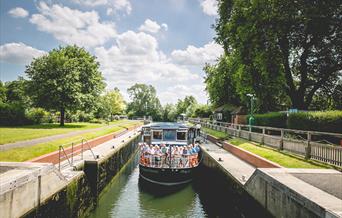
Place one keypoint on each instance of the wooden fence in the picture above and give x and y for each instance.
(295, 141)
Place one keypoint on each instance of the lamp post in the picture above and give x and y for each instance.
(251, 118)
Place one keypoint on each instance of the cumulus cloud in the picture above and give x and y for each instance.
(152, 26)
(197, 56)
(18, 53)
(119, 5)
(18, 12)
(179, 91)
(73, 26)
(135, 57)
(209, 7)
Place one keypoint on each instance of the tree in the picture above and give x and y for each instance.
(16, 92)
(2, 92)
(220, 84)
(67, 78)
(168, 113)
(144, 101)
(113, 102)
(282, 49)
(186, 105)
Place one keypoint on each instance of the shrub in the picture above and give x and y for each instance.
(96, 121)
(37, 115)
(328, 121)
(12, 114)
(272, 119)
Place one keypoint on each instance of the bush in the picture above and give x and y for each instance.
(272, 119)
(97, 121)
(12, 114)
(37, 115)
(328, 121)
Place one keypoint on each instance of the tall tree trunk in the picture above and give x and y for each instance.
(298, 101)
(62, 117)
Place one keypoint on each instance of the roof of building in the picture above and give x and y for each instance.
(225, 107)
(239, 111)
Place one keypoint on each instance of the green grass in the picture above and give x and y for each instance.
(20, 133)
(281, 157)
(27, 153)
(217, 134)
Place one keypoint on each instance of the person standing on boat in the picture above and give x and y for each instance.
(185, 155)
(164, 154)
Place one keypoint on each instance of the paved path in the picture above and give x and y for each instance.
(31, 142)
(240, 170)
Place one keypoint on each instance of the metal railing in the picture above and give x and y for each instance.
(68, 155)
(320, 146)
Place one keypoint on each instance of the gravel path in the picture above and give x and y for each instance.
(31, 142)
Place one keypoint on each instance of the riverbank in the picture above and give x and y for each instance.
(283, 192)
(68, 193)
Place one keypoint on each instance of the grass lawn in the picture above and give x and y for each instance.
(281, 157)
(217, 134)
(20, 133)
(27, 153)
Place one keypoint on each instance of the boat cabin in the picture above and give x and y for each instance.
(169, 133)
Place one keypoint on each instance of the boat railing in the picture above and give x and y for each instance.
(166, 161)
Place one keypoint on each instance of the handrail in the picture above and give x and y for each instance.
(61, 148)
(89, 148)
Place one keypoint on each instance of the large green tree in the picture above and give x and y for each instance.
(144, 101)
(282, 50)
(67, 78)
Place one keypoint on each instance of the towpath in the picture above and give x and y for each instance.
(32, 142)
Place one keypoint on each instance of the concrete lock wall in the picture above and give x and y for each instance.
(80, 195)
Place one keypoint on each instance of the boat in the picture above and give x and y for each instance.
(169, 153)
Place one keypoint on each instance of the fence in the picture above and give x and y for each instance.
(320, 146)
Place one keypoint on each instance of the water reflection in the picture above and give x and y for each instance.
(130, 196)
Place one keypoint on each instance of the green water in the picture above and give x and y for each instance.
(129, 196)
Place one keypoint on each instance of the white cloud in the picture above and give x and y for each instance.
(135, 58)
(118, 5)
(122, 5)
(173, 93)
(18, 12)
(152, 26)
(197, 56)
(91, 3)
(164, 26)
(109, 11)
(18, 53)
(73, 26)
(209, 7)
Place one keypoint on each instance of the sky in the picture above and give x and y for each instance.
(164, 43)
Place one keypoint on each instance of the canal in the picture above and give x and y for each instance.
(129, 196)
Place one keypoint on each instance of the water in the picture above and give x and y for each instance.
(129, 196)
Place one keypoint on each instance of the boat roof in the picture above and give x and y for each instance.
(168, 125)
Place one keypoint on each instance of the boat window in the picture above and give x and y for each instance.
(157, 134)
(169, 135)
(181, 136)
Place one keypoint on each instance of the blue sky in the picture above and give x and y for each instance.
(162, 43)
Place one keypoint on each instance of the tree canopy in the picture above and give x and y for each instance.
(144, 101)
(67, 78)
(286, 53)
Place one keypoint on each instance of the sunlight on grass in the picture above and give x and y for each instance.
(217, 134)
(27, 153)
(20, 133)
(281, 157)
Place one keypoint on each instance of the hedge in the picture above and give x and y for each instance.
(328, 121)
(272, 119)
(12, 114)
